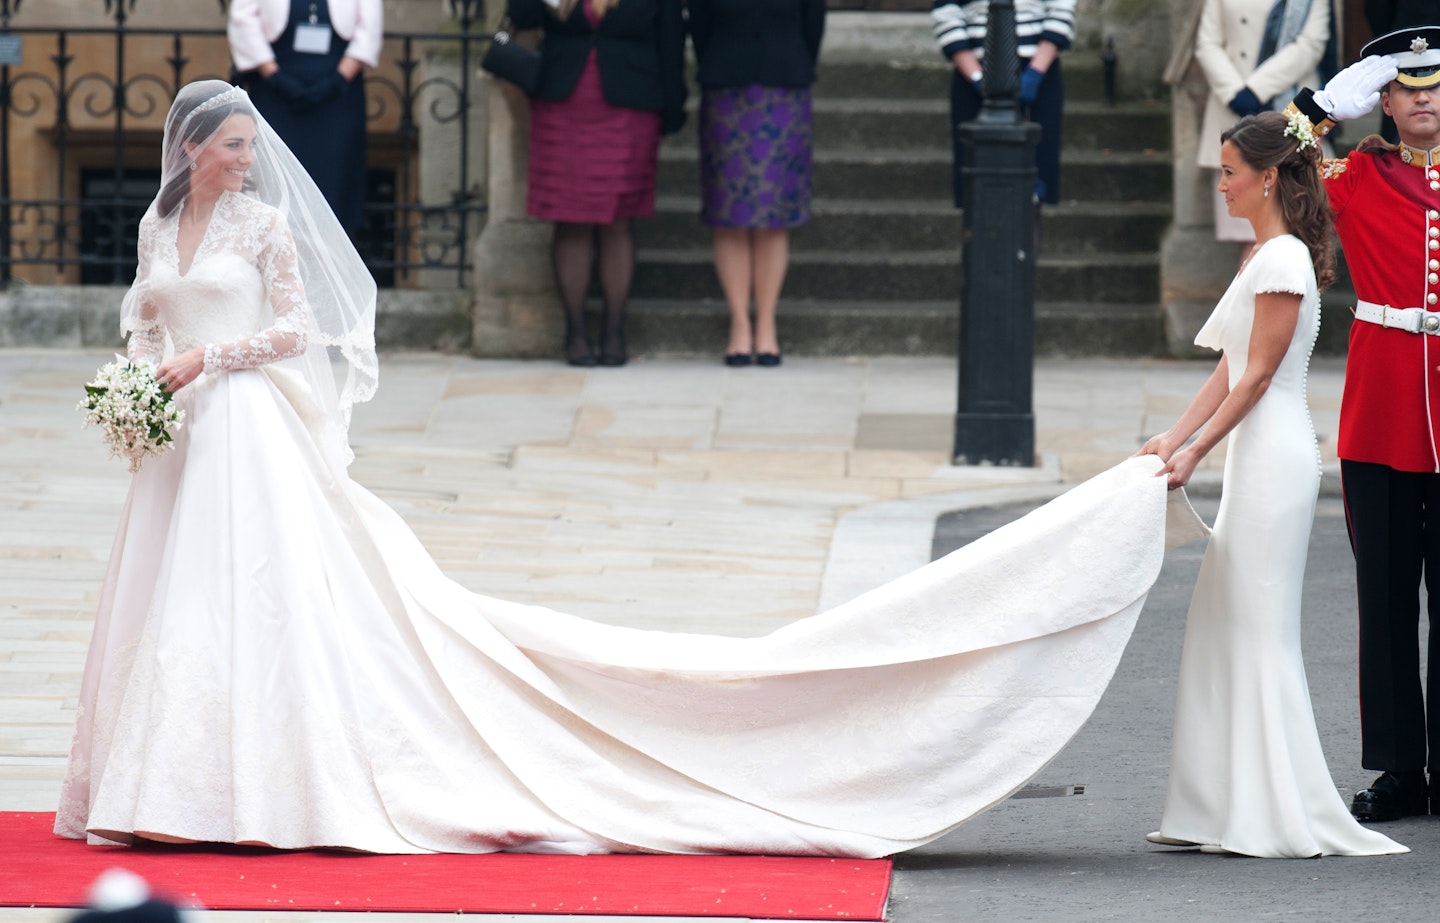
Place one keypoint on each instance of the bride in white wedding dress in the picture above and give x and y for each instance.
(276, 659)
(1247, 774)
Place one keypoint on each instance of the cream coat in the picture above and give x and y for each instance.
(254, 24)
(1226, 45)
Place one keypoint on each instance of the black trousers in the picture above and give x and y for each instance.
(1048, 110)
(1394, 522)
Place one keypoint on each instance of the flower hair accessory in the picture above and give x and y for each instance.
(1299, 127)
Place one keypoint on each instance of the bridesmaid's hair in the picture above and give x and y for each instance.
(1262, 143)
(201, 127)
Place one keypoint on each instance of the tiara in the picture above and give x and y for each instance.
(231, 95)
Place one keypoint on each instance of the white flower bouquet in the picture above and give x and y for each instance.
(133, 409)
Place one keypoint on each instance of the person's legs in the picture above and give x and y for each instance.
(734, 266)
(573, 252)
(1385, 513)
(617, 270)
(1432, 654)
(1048, 111)
(772, 258)
(964, 106)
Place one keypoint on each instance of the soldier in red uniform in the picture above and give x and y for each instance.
(1386, 201)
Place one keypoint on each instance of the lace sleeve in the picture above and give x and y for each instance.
(288, 336)
(139, 316)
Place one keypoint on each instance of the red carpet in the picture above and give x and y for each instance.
(39, 869)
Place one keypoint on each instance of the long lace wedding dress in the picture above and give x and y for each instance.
(1247, 774)
(277, 659)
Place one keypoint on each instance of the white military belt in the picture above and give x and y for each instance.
(1411, 320)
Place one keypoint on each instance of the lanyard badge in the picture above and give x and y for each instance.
(312, 37)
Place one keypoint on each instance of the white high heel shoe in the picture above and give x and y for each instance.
(1160, 839)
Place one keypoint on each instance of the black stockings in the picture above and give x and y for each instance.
(573, 252)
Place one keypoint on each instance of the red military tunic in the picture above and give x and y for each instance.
(1388, 216)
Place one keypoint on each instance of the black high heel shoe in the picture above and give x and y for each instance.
(614, 353)
(577, 348)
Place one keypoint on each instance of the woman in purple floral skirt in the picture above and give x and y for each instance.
(756, 64)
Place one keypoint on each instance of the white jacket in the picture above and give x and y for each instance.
(255, 24)
(1226, 45)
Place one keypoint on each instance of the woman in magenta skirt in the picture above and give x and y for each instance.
(757, 61)
(611, 82)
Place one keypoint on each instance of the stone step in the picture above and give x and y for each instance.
(83, 317)
(920, 80)
(897, 277)
(911, 328)
(905, 124)
(1099, 228)
(930, 79)
(901, 226)
(1120, 176)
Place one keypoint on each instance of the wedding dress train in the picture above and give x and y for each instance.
(277, 660)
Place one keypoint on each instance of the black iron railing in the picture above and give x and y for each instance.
(88, 137)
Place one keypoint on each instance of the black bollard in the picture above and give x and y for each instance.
(994, 421)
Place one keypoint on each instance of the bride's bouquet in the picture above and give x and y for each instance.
(133, 409)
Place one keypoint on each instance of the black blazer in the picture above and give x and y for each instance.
(775, 43)
(640, 47)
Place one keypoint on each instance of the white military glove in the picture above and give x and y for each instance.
(1356, 89)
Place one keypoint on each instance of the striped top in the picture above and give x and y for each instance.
(961, 25)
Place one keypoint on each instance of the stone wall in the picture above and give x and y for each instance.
(1140, 30)
(517, 307)
(1195, 268)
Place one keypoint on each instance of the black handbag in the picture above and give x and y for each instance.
(509, 60)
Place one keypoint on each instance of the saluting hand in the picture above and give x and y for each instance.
(1355, 90)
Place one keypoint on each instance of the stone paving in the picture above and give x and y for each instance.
(668, 494)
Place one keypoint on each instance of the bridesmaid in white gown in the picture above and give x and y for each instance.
(276, 659)
(1247, 774)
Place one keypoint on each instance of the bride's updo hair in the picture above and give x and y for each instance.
(1262, 143)
(193, 119)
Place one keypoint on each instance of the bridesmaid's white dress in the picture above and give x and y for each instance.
(276, 659)
(1246, 772)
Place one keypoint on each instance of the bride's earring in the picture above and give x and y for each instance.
(194, 164)
(1267, 185)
